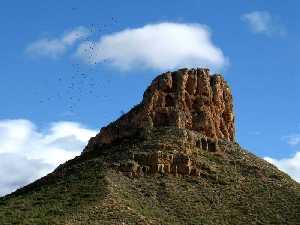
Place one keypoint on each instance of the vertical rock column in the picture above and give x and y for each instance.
(187, 98)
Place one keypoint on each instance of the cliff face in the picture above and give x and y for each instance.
(191, 99)
(171, 160)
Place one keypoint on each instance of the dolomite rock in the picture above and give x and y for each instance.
(187, 98)
(158, 162)
(160, 157)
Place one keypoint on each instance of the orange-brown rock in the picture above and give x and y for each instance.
(175, 155)
(144, 163)
(187, 98)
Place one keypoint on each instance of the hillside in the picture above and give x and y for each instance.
(170, 160)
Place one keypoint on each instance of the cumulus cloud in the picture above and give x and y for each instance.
(289, 165)
(262, 22)
(27, 153)
(56, 47)
(157, 46)
(17, 170)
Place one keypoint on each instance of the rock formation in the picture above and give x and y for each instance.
(189, 105)
(171, 160)
(164, 157)
(187, 98)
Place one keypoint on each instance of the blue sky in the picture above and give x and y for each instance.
(50, 92)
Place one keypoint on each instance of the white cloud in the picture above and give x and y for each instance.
(292, 140)
(159, 46)
(27, 153)
(255, 132)
(69, 38)
(263, 22)
(56, 47)
(16, 170)
(289, 165)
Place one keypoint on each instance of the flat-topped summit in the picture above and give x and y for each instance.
(186, 98)
(170, 160)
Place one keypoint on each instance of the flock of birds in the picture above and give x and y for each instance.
(83, 82)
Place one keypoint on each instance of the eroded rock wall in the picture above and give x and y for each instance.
(187, 98)
(164, 157)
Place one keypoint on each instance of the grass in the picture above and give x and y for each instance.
(235, 187)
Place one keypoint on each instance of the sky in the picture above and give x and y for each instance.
(69, 68)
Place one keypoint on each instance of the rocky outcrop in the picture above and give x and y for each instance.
(161, 156)
(187, 98)
(165, 150)
(145, 163)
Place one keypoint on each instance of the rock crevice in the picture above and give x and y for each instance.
(188, 98)
(162, 161)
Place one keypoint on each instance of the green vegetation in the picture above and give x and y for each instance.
(235, 187)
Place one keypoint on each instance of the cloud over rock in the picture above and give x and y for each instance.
(162, 46)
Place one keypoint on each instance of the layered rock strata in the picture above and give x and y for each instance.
(175, 155)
